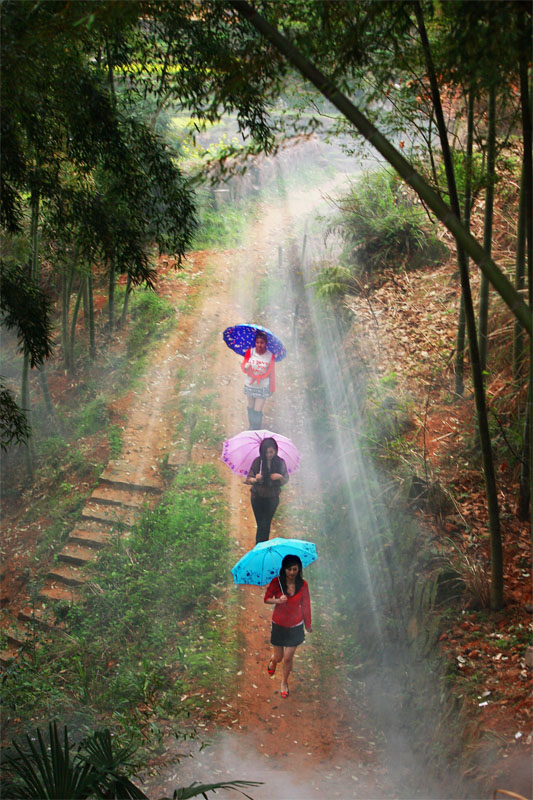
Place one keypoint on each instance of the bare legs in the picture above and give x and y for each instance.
(256, 403)
(255, 412)
(285, 656)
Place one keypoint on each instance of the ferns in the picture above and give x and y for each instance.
(381, 227)
(333, 282)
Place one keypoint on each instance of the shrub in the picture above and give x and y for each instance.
(93, 416)
(150, 315)
(99, 766)
(382, 226)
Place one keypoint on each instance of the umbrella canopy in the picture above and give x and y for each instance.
(260, 565)
(239, 451)
(240, 338)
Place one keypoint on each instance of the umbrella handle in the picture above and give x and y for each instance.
(280, 586)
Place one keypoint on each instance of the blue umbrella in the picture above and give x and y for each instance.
(260, 565)
(240, 338)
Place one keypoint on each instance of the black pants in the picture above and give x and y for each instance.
(264, 509)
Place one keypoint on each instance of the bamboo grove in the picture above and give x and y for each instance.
(92, 187)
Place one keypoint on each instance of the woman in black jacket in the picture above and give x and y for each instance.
(267, 475)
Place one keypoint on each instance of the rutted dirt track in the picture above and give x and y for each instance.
(306, 745)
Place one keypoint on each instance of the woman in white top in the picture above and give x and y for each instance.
(258, 366)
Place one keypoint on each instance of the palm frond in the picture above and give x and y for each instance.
(195, 789)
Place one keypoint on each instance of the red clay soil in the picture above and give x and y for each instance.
(415, 340)
(306, 741)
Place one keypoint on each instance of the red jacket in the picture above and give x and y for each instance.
(295, 610)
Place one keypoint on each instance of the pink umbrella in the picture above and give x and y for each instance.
(239, 451)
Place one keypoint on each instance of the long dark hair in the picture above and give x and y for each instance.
(290, 561)
(275, 464)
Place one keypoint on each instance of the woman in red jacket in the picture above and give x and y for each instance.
(289, 594)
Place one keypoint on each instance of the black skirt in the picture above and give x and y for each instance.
(287, 637)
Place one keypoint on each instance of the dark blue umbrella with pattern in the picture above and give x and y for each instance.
(240, 338)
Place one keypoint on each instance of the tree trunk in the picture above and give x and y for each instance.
(64, 318)
(461, 323)
(449, 219)
(520, 277)
(524, 499)
(26, 407)
(43, 380)
(25, 381)
(525, 105)
(110, 73)
(487, 228)
(111, 296)
(92, 337)
(85, 303)
(75, 311)
(65, 312)
(126, 301)
(496, 588)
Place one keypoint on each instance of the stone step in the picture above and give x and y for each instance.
(177, 458)
(94, 539)
(8, 655)
(53, 592)
(123, 473)
(42, 618)
(77, 554)
(17, 636)
(113, 515)
(120, 496)
(70, 576)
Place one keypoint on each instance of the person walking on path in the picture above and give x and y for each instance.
(289, 594)
(260, 381)
(267, 475)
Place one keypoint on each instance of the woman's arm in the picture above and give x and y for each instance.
(246, 359)
(282, 476)
(276, 601)
(272, 589)
(253, 476)
(306, 607)
(272, 379)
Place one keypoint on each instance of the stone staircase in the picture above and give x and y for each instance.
(124, 490)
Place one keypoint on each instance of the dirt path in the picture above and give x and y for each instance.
(308, 744)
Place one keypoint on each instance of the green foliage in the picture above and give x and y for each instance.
(151, 317)
(163, 573)
(333, 282)
(50, 770)
(199, 425)
(196, 789)
(116, 440)
(93, 416)
(388, 416)
(382, 227)
(478, 174)
(97, 767)
(224, 227)
(14, 427)
(26, 308)
(145, 630)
